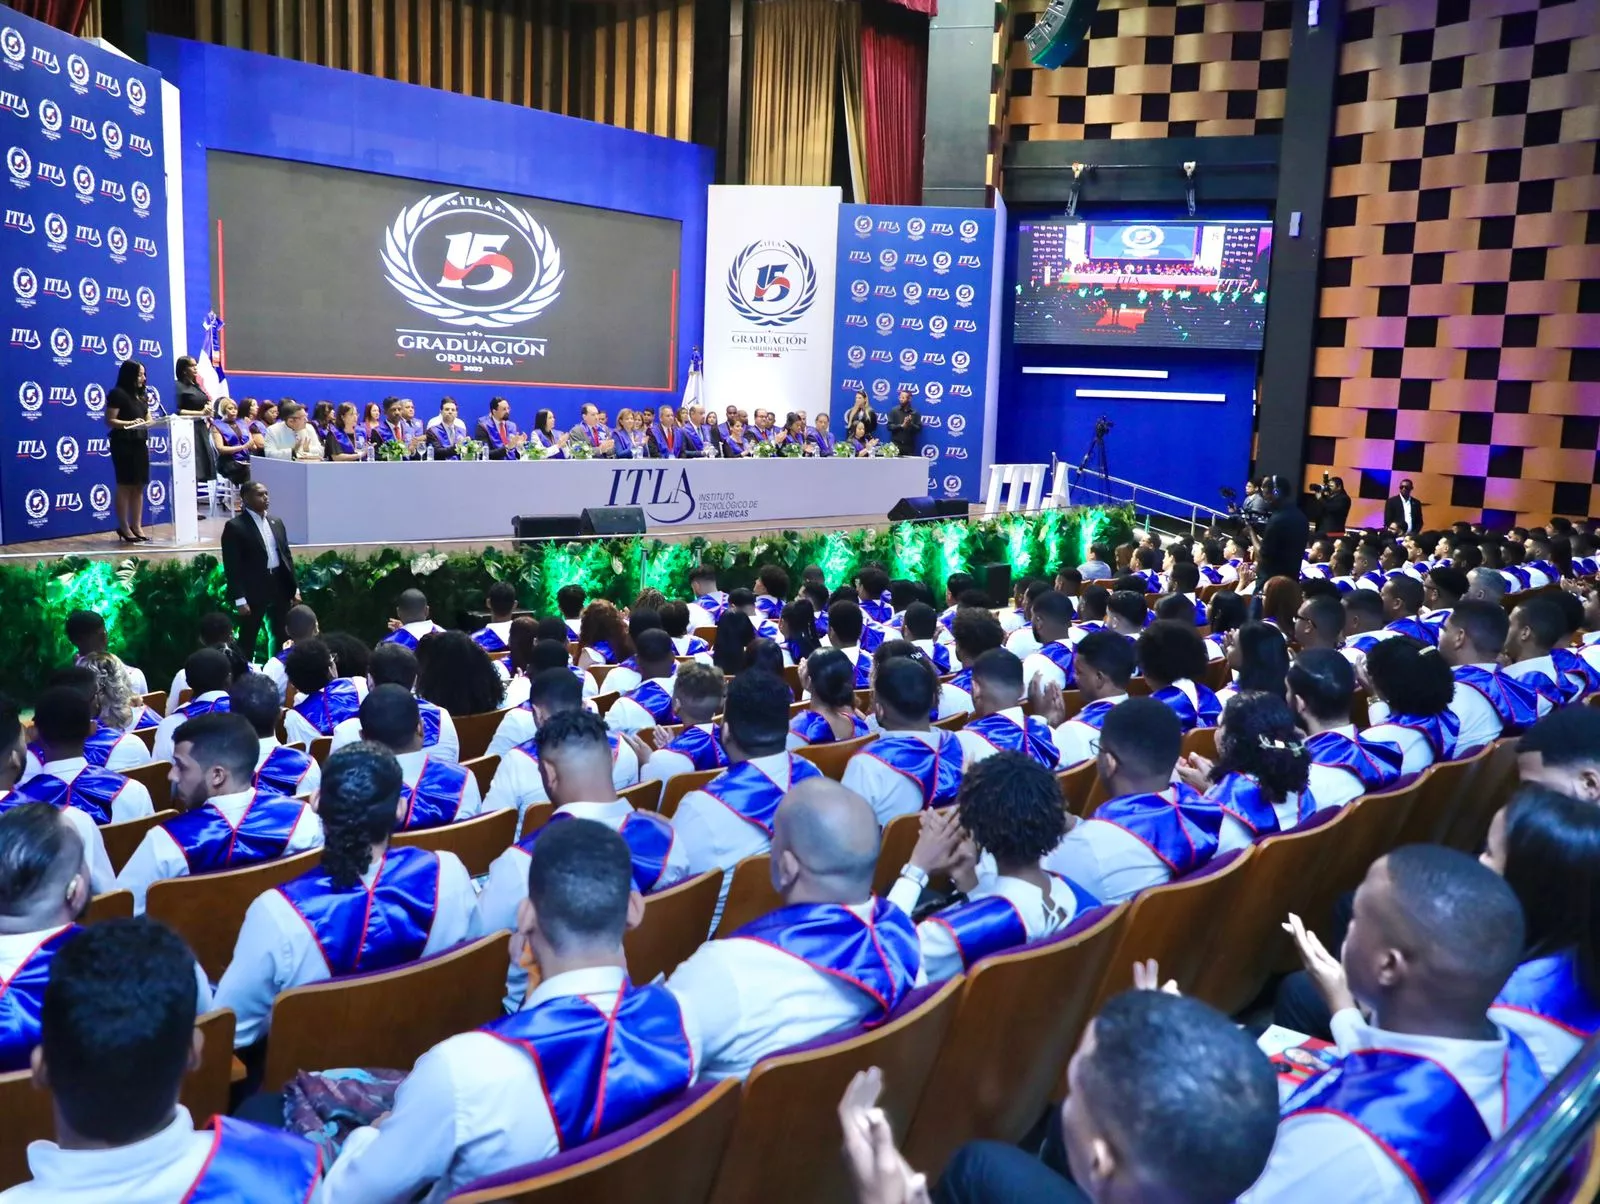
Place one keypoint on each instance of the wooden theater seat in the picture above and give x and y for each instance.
(473, 732)
(113, 905)
(643, 796)
(832, 758)
(155, 777)
(899, 837)
(207, 910)
(675, 924)
(477, 841)
(122, 839)
(482, 769)
(750, 894)
(684, 783)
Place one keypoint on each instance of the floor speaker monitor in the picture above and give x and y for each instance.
(612, 520)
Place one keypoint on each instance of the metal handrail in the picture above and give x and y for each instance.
(1084, 480)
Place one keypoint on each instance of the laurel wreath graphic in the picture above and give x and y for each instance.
(748, 311)
(397, 268)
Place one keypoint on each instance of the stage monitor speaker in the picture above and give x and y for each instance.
(546, 526)
(995, 580)
(1055, 37)
(613, 520)
(927, 507)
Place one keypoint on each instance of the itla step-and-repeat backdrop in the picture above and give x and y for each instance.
(808, 300)
(84, 245)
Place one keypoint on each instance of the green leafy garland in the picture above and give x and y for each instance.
(153, 608)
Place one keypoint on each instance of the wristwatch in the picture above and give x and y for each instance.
(916, 874)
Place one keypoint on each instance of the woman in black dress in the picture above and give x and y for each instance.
(127, 414)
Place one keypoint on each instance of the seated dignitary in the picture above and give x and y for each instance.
(517, 781)
(226, 822)
(649, 703)
(63, 718)
(912, 765)
(411, 612)
(1010, 808)
(1172, 659)
(395, 664)
(1260, 771)
(1153, 829)
(1488, 701)
(279, 768)
(831, 957)
(12, 756)
(830, 716)
(575, 763)
(326, 699)
(118, 1037)
(730, 818)
(437, 792)
(107, 747)
(210, 674)
(586, 1054)
(1426, 1079)
(366, 907)
(1411, 689)
(1168, 1101)
(1547, 847)
(1103, 663)
(697, 692)
(998, 724)
(1344, 764)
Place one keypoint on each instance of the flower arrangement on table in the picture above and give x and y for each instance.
(888, 451)
(389, 450)
(764, 450)
(792, 450)
(535, 451)
(579, 450)
(473, 449)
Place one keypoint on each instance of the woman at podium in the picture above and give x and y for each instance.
(128, 416)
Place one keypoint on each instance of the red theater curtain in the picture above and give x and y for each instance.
(894, 68)
(63, 14)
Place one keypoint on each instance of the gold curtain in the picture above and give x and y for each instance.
(855, 129)
(793, 90)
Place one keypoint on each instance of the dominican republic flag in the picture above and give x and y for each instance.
(692, 387)
(208, 365)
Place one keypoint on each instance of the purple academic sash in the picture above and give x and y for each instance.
(713, 604)
(145, 718)
(1549, 988)
(1417, 630)
(333, 704)
(1375, 764)
(1440, 731)
(1094, 715)
(648, 836)
(251, 1162)
(936, 772)
(357, 928)
(653, 697)
(97, 748)
(1240, 796)
(1524, 578)
(963, 680)
(22, 1001)
(880, 955)
(1414, 1110)
(754, 797)
(283, 770)
(602, 1071)
(877, 612)
(1003, 734)
(1060, 654)
(93, 792)
(196, 707)
(813, 728)
(1516, 703)
(404, 638)
(769, 607)
(210, 843)
(488, 640)
(992, 924)
(435, 799)
(1190, 715)
(667, 446)
(703, 748)
(1212, 576)
(1579, 677)
(1177, 825)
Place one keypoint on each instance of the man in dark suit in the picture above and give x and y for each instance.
(259, 568)
(1404, 510)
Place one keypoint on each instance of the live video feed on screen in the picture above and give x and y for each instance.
(1143, 284)
(326, 271)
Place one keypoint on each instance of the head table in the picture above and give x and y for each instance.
(410, 501)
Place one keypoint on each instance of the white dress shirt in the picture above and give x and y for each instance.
(276, 951)
(281, 442)
(1552, 1045)
(664, 765)
(622, 679)
(1042, 913)
(976, 748)
(1107, 861)
(411, 766)
(159, 857)
(1022, 643)
(713, 836)
(518, 725)
(1538, 666)
(132, 802)
(309, 784)
(743, 1000)
(517, 782)
(298, 728)
(158, 1170)
(889, 792)
(1480, 722)
(180, 683)
(953, 700)
(101, 876)
(162, 751)
(1079, 741)
(268, 540)
(1320, 1158)
(448, 747)
(626, 715)
(1418, 753)
(1332, 786)
(128, 751)
(472, 1106)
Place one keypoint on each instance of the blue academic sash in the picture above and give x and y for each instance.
(666, 444)
(97, 748)
(404, 638)
(210, 843)
(754, 797)
(880, 955)
(992, 924)
(252, 1162)
(693, 645)
(1177, 825)
(360, 929)
(93, 792)
(648, 836)
(1524, 578)
(824, 440)
(713, 604)
(653, 697)
(1515, 702)
(1417, 630)
(196, 707)
(1439, 730)
(963, 680)
(602, 648)
(1414, 1109)
(1549, 988)
(1212, 576)
(431, 723)
(1239, 795)
(704, 749)
(283, 770)
(1191, 716)
(22, 1001)
(350, 444)
(694, 441)
(877, 612)
(332, 705)
(813, 728)
(1094, 715)
(435, 799)
(600, 1071)
(1004, 734)
(936, 772)
(1060, 654)
(1437, 619)
(1376, 764)
(488, 640)
(491, 436)
(1570, 665)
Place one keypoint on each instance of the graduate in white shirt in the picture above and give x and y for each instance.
(488, 1101)
(501, 601)
(118, 1038)
(648, 701)
(570, 601)
(1562, 752)
(324, 698)
(437, 791)
(395, 664)
(216, 631)
(63, 719)
(833, 956)
(1470, 643)
(1345, 764)
(998, 723)
(1259, 775)
(846, 624)
(912, 765)
(517, 781)
(975, 632)
(1409, 689)
(1091, 612)
(86, 631)
(412, 621)
(675, 621)
(299, 624)
(225, 821)
(211, 673)
(920, 625)
(1432, 939)
(709, 602)
(1050, 660)
(13, 756)
(1103, 663)
(697, 693)
(278, 767)
(367, 906)
(1009, 809)
(1533, 631)
(1319, 623)
(107, 746)
(602, 635)
(519, 724)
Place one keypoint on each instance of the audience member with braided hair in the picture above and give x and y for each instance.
(1260, 772)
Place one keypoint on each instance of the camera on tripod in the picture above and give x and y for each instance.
(1102, 427)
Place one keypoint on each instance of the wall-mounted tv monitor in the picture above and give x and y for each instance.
(1143, 283)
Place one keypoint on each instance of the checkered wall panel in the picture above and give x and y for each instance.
(1459, 340)
(1156, 70)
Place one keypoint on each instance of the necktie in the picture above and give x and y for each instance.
(502, 427)
(672, 439)
(594, 435)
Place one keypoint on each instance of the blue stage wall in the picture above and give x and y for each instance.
(254, 104)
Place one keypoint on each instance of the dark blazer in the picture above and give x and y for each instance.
(1334, 513)
(244, 563)
(192, 399)
(1393, 512)
(657, 437)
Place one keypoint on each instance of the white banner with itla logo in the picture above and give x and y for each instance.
(771, 263)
